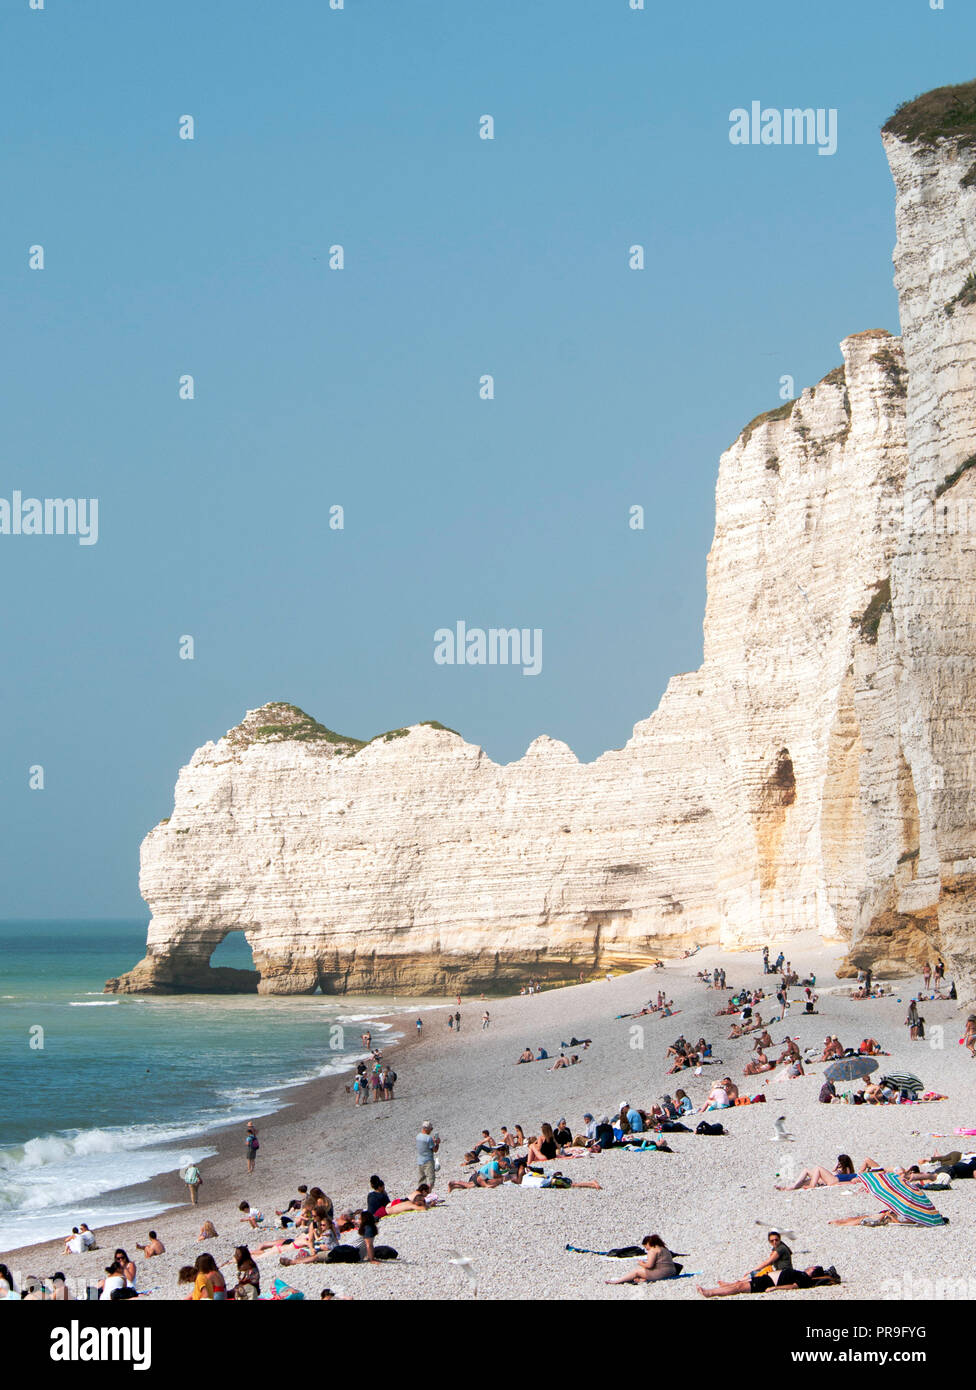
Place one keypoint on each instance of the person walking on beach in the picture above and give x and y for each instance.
(191, 1176)
(420, 1026)
(781, 1001)
(939, 973)
(251, 1145)
(926, 975)
(457, 1022)
(912, 1020)
(427, 1145)
(485, 1020)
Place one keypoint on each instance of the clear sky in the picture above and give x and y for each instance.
(360, 387)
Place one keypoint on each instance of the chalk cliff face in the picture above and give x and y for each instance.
(817, 771)
(917, 685)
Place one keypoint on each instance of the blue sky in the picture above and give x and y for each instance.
(360, 387)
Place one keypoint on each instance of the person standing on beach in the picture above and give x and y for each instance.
(251, 1145)
(427, 1145)
(912, 1020)
(926, 975)
(191, 1176)
(939, 973)
(485, 1020)
(457, 1022)
(420, 1026)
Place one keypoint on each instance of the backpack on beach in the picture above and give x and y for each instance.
(705, 1128)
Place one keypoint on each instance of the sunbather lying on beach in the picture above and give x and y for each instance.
(775, 1283)
(490, 1174)
(658, 1263)
(886, 1218)
(552, 1180)
(420, 1200)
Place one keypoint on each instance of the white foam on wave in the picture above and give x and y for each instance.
(93, 1003)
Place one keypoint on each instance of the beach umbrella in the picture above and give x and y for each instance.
(850, 1069)
(895, 1194)
(902, 1081)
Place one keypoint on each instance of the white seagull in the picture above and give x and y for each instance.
(464, 1265)
(780, 1129)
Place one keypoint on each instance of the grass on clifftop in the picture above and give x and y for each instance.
(944, 113)
(288, 722)
(780, 413)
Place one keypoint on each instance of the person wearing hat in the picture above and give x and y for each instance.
(668, 1109)
(427, 1145)
(589, 1126)
(563, 1134)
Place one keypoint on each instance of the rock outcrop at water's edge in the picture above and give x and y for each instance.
(818, 770)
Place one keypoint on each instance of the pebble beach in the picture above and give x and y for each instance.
(712, 1200)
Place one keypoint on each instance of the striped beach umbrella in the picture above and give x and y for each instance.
(900, 1199)
(902, 1081)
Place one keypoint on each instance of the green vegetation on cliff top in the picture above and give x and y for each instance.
(289, 723)
(945, 113)
(835, 377)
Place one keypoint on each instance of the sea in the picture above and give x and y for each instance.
(99, 1091)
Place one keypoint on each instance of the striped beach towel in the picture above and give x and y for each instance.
(899, 1198)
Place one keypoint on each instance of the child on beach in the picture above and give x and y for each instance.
(251, 1216)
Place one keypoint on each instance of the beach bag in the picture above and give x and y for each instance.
(705, 1128)
(557, 1180)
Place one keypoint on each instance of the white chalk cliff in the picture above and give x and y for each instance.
(819, 770)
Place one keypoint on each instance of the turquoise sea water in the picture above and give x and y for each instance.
(121, 1076)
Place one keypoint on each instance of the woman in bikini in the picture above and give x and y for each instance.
(819, 1177)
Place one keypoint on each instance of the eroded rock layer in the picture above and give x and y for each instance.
(817, 771)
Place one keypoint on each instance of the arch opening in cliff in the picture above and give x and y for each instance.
(233, 952)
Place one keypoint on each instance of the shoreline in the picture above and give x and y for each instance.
(301, 1101)
(708, 1198)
